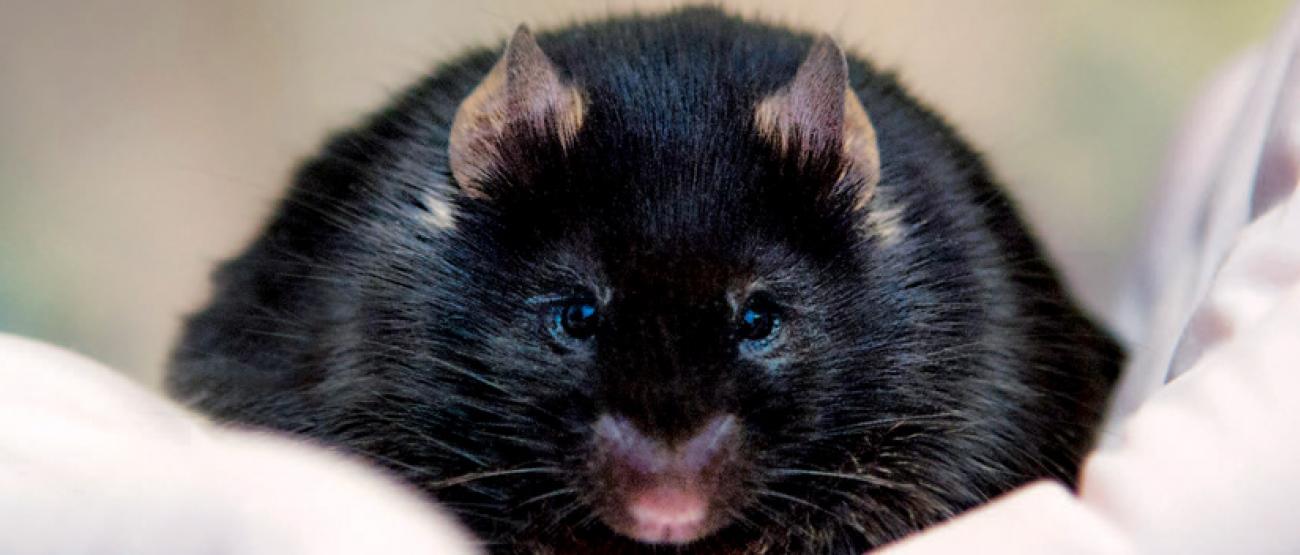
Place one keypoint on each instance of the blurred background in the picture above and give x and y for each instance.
(142, 141)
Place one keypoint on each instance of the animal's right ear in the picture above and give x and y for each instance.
(521, 98)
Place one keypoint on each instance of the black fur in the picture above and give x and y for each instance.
(918, 377)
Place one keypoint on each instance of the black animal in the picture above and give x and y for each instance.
(679, 283)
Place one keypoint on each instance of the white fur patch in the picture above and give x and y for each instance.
(440, 214)
(885, 220)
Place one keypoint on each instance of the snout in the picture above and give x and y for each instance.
(662, 493)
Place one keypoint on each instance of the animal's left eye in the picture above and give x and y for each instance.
(760, 323)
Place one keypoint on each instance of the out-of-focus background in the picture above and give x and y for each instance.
(141, 141)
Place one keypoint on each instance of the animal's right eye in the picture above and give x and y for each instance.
(574, 320)
(759, 325)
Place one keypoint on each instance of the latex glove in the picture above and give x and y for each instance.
(91, 463)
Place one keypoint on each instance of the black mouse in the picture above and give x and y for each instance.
(676, 283)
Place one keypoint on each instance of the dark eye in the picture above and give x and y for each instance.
(573, 320)
(760, 321)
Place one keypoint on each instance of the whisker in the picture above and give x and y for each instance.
(797, 500)
(548, 495)
(421, 435)
(865, 478)
(473, 476)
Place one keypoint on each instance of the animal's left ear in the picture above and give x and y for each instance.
(817, 112)
(521, 98)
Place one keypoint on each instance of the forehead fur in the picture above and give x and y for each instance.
(669, 157)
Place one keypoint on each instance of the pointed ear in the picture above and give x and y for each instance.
(817, 112)
(521, 98)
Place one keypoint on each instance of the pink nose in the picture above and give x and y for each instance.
(668, 515)
(663, 494)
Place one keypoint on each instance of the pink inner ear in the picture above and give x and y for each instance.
(817, 112)
(808, 113)
(522, 87)
(816, 96)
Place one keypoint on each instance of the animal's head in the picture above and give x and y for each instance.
(671, 319)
